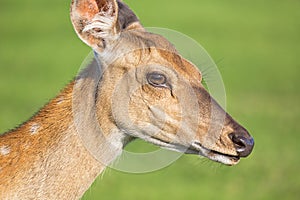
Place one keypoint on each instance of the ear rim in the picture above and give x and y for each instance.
(95, 25)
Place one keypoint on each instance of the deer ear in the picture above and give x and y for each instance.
(127, 20)
(95, 21)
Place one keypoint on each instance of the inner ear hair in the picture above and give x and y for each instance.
(103, 24)
(99, 22)
(95, 21)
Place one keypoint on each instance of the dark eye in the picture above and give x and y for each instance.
(157, 79)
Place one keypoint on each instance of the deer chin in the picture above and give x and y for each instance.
(197, 148)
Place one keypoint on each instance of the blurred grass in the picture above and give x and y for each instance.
(258, 43)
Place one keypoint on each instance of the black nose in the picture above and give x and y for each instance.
(243, 142)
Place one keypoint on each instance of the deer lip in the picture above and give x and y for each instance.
(197, 148)
(213, 155)
(233, 159)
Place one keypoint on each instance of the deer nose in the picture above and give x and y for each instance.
(243, 142)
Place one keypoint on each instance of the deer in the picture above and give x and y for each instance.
(137, 86)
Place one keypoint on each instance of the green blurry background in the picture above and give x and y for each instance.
(256, 45)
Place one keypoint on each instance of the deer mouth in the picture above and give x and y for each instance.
(227, 159)
(198, 149)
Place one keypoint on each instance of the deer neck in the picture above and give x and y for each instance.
(65, 145)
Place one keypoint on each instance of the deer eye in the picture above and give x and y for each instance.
(157, 79)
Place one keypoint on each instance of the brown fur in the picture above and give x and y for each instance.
(40, 165)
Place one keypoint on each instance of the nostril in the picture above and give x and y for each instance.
(239, 142)
(243, 143)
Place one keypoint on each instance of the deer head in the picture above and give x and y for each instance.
(148, 91)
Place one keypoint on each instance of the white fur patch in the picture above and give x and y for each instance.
(103, 24)
(60, 100)
(26, 146)
(4, 150)
(34, 129)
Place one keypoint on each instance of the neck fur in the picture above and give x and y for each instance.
(65, 145)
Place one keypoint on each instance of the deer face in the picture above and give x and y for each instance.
(152, 92)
